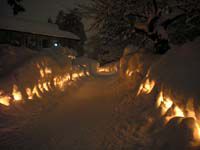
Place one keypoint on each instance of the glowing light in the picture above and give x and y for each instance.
(29, 93)
(71, 57)
(45, 86)
(81, 74)
(75, 76)
(44, 71)
(42, 74)
(164, 103)
(190, 112)
(55, 44)
(87, 73)
(49, 85)
(147, 87)
(167, 103)
(4, 99)
(16, 93)
(196, 132)
(40, 86)
(160, 99)
(178, 112)
(107, 69)
(47, 70)
(104, 70)
(129, 73)
(36, 92)
(148, 73)
(60, 82)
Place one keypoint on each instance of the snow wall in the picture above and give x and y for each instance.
(37, 77)
(166, 106)
(44, 73)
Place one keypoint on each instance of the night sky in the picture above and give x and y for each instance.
(40, 10)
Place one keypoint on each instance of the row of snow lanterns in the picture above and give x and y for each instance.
(166, 104)
(40, 87)
(107, 69)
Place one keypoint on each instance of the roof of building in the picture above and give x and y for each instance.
(27, 26)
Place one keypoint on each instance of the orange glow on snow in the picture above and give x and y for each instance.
(129, 73)
(45, 84)
(146, 87)
(166, 103)
(4, 99)
(17, 95)
(36, 92)
(75, 76)
(107, 69)
(47, 70)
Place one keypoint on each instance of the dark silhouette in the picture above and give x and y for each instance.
(50, 20)
(145, 22)
(16, 6)
(72, 21)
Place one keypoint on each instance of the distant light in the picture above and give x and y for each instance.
(56, 44)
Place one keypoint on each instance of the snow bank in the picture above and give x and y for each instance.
(163, 105)
(12, 57)
(179, 70)
(108, 69)
(169, 97)
(134, 64)
(46, 72)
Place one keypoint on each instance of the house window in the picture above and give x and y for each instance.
(45, 43)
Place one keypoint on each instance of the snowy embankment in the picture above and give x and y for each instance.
(165, 106)
(13, 57)
(32, 80)
(39, 87)
(176, 96)
(42, 73)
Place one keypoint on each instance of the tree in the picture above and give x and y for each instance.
(60, 19)
(139, 22)
(72, 21)
(16, 6)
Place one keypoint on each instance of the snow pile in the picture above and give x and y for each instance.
(135, 63)
(170, 95)
(164, 110)
(178, 70)
(12, 57)
(46, 72)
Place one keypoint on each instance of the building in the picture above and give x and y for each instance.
(21, 32)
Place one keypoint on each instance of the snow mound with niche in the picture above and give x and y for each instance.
(171, 91)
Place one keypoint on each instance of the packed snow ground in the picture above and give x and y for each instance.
(80, 121)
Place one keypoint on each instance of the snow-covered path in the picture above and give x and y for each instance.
(80, 121)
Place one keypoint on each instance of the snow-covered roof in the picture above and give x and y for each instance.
(27, 26)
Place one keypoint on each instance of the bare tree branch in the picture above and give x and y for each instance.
(155, 7)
